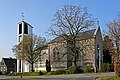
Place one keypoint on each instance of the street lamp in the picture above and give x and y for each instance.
(99, 58)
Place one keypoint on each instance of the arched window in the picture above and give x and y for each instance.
(56, 55)
(77, 53)
(98, 49)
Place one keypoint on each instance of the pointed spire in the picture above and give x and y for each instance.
(98, 23)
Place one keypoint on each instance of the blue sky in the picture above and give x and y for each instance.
(39, 13)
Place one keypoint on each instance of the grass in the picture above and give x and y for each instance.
(37, 73)
(108, 78)
(27, 74)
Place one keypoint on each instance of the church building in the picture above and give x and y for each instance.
(89, 53)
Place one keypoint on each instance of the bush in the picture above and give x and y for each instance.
(57, 72)
(60, 71)
(89, 69)
(67, 72)
(44, 72)
(5, 73)
(12, 74)
(0, 73)
(74, 70)
(40, 72)
(106, 67)
(111, 68)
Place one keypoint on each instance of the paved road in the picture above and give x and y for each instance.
(60, 77)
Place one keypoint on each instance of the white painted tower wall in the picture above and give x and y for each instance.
(23, 66)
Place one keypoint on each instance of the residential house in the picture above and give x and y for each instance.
(8, 65)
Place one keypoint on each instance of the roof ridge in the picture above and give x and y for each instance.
(82, 35)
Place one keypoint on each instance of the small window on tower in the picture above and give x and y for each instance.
(25, 28)
(20, 38)
(20, 28)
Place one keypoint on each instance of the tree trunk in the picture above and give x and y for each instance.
(74, 61)
(117, 68)
(74, 49)
(32, 67)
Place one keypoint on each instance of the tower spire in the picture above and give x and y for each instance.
(22, 15)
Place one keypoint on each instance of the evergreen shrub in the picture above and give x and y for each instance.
(89, 69)
(74, 70)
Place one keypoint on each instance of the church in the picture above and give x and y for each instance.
(89, 44)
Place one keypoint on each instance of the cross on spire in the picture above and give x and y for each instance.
(22, 15)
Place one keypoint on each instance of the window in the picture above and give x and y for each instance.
(1, 68)
(77, 54)
(56, 54)
(25, 28)
(20, 38)
(2, 63)
(20, 28)
(98, 56)
(53, 55)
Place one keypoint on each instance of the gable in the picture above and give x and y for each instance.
(10, 61)
(2, 63)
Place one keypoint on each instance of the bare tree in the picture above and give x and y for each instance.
(29, 49)
(68, 22)
(107, 49)
(114, 34)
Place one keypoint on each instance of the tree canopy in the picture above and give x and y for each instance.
(68, 22)
(29, 49)
(114, 34)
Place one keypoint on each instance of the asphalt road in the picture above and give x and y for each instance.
(59, 77)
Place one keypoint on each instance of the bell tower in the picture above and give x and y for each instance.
(24, 29)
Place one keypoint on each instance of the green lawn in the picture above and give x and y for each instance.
(26, 74)
(27, 79)
(108, 78)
